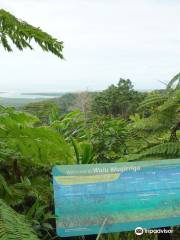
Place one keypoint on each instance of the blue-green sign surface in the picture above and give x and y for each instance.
(116, 197)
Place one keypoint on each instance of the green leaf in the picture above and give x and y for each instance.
(22, 34)
(13, 225)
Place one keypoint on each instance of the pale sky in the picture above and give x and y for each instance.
(103, 41)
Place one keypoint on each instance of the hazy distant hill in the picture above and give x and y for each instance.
(50, 94)
(62, 105)
(42, 109)
(18, 102)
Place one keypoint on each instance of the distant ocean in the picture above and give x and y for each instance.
(30, 95)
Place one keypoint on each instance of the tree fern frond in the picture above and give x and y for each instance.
(170, 149)
(4, 186)
(22, 33)
(172, 102)
(176, 78)
(152, 101)
(13, 225)
(151, 123)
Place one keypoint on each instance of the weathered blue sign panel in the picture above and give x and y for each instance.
(116, 197)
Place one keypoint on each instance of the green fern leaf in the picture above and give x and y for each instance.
(170, 150)
(22, 33)
(13, 225)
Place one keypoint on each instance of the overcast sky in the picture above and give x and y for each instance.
(103, 39)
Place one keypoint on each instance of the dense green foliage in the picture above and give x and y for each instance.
(42, 109)
(158, 132)
(22, 34)
(40, 145)
(76, 134)
(68, 102)
(121, 100)
(13, 225)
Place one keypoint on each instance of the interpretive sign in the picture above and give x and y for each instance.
(116, 197)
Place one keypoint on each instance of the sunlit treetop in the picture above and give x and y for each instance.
(22, 34)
